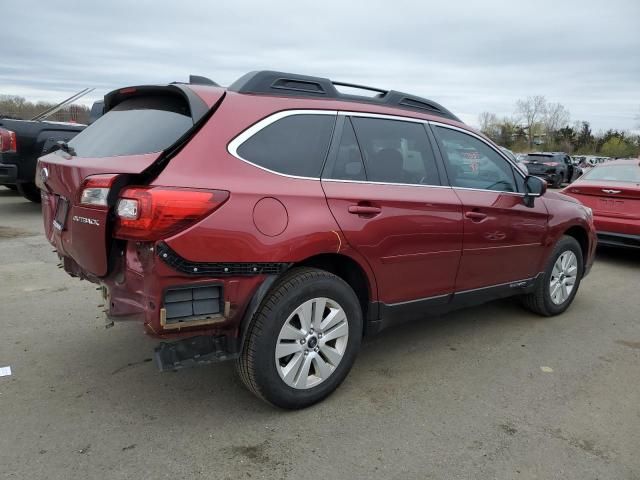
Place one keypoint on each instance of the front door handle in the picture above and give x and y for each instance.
(475, 216)
(364, 210)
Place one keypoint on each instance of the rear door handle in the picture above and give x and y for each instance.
(475, 216)
(364, 210)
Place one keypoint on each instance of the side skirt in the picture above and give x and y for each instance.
(397, 313)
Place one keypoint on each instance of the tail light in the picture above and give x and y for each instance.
(95, 190)
(8, 142)
(551, 164)
(152, 213)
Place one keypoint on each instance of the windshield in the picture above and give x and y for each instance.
(616, 173)
(135, 126)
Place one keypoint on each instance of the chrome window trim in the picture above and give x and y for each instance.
(383, 116)
(339, 180)
(234, 144)
(238, 140)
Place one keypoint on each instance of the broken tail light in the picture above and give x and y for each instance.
(95, 190)
(148, 213)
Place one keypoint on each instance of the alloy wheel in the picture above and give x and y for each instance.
(311, 343)
(563, 277)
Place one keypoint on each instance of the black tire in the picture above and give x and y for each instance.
(539, 301)
(557, 181)
(29, 191)
(256, 364)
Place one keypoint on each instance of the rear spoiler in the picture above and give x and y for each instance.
(197, 106)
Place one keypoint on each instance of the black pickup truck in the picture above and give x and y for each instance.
(22, 142)
(555, 167)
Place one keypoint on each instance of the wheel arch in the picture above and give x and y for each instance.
(582, 237)
(359, 278)
(349, 270)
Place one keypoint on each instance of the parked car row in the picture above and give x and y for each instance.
(556, 168)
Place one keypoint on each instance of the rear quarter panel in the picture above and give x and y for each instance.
(230, 233)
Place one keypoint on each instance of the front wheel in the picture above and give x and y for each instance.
(303, 340)
(559, 284)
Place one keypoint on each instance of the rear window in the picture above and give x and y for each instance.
(135, 126)
(538, 158)
(615, 173)
(294, 145)
(396, 151)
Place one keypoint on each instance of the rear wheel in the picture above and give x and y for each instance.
(29, 191)
(559, 284)
(303, 340)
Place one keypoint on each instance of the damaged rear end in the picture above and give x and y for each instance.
(106, 218)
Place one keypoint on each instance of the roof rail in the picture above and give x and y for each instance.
(200, 80)
(293, 84)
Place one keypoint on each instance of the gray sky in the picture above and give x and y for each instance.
(469, 56)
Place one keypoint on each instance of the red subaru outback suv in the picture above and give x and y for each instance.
(279, 220)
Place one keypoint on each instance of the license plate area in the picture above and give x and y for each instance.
(611, 204)
(60, 217)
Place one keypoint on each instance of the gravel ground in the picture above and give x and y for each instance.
(488, 393)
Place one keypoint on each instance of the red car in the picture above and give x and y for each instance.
(612, 191)
(278, 220)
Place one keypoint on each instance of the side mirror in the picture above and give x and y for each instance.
(533, 187)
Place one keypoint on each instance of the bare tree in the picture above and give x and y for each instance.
(531, 112)
(556, 117)
(489, 124)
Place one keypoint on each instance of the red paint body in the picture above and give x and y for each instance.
(615, 204)
(423, 242)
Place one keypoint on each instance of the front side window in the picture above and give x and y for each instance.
(472, 163)
(396, 151)
(294, 145)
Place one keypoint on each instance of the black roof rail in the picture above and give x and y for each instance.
(293, 84)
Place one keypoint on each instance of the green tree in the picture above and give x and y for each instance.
(585, 140)
(617, 147)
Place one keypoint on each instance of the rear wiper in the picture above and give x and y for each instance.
(64, 146)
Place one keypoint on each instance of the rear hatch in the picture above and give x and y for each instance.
(140, 131)
(609, 199)
(538, 163)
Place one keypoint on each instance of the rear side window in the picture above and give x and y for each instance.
(348, 164)
(135, 126)
(294, 145)
(396, 151)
